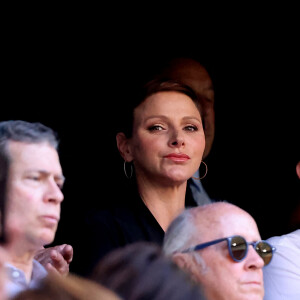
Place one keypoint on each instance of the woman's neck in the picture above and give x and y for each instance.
(165, 203)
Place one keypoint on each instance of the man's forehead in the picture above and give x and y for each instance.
(17, 147)
(34, 156)
(224, 217)
(238, 223)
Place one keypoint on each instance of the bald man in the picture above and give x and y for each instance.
(219, 245)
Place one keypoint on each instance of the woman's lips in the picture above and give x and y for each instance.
(178, 157)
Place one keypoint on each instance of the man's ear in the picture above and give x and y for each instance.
(123, 146)
(186, 262)
(180, 260)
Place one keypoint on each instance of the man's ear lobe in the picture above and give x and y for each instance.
(180, 260)
(186, 262)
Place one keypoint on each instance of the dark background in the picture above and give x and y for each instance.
(72, 80)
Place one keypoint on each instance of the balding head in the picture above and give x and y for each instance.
(220, 276)
(207, 222)
(226, 219)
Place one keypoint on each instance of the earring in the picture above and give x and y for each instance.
(206, 169)
(131, 170)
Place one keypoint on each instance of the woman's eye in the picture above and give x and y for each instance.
(155, 127)
(191, 128)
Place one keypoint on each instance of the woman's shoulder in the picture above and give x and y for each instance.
(119, 211)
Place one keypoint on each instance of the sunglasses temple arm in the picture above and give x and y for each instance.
(204, 245)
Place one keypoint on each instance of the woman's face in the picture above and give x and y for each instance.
(168, 138)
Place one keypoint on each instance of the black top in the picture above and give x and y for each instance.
(123, 223)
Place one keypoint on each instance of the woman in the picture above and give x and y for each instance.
(162, 142)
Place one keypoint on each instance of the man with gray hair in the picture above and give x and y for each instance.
(33, 199)
(219, 245)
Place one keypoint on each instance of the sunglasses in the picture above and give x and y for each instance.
(238, 248)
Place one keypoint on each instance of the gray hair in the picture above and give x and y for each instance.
(182, 234)
(27, 132)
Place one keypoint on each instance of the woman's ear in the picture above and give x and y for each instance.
(123, 146)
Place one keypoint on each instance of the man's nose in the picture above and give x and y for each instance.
(54, 193)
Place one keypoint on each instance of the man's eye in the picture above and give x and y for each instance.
(35, 178)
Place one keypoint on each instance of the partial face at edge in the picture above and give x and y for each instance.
(34, 192)
(298, 169)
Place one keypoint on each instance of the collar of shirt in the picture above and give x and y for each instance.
(16, 278)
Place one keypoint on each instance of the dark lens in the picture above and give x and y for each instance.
(238, 247)
(264, 250)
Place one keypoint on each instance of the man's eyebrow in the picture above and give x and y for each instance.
(47, 173)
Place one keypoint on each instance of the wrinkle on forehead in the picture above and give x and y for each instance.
(37, 156)
(222, 219)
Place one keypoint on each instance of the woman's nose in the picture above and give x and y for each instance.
(177, 140)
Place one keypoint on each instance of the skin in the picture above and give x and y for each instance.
(34, 185)
(192, 73)
(224, 278)
(165, 124)
(56, 259)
